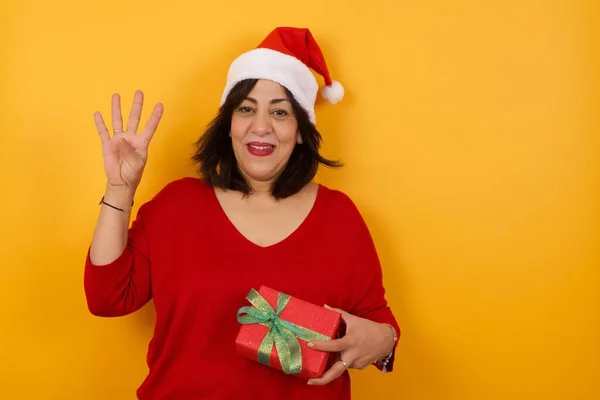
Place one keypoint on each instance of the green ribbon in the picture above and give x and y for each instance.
(283, 334)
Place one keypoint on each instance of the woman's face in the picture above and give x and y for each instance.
(264, 132)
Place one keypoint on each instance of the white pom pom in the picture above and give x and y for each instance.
(334, 92)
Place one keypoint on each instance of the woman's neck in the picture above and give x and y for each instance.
(261, 189)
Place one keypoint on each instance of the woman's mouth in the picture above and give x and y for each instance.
(260, 149)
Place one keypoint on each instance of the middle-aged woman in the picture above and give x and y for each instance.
(254, 217)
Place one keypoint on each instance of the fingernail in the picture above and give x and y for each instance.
(310, 383)
(311, 345)
(327, 306)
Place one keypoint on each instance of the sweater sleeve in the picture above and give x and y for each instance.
(122, 286)
(369, 293)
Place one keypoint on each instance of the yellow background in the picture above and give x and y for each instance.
(470, 130)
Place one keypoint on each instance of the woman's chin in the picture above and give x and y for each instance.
(260, 175)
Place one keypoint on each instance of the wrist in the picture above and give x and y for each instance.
(122, 191)
(383, 363)
(119, 196)
(390, 339)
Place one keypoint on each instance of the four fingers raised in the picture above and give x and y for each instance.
(133, 120)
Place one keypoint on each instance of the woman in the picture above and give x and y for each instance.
(254, 218)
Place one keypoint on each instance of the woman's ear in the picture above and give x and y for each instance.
(299, 138)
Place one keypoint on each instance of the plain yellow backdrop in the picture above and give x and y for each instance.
(470, 133)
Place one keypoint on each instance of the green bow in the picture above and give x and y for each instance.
(283, 334)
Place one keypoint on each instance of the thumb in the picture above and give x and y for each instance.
(345, 314)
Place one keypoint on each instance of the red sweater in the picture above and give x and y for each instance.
(184, 253)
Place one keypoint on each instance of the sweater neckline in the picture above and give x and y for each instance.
(293, 236)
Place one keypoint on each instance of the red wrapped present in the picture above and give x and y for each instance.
(276, 328)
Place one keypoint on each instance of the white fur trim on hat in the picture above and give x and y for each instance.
(284, 69)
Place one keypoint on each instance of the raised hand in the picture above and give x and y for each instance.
(126, 152)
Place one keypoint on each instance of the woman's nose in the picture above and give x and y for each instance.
(261, 124)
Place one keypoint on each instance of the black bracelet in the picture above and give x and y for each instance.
(116, 208)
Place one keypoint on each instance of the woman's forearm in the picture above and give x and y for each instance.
(110, 235)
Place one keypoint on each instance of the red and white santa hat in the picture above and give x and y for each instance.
(286, 56)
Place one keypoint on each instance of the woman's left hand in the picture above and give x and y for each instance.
(365, 342)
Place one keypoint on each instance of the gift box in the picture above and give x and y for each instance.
(276, 327)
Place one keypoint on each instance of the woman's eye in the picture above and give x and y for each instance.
(244, 109)
(281, 113)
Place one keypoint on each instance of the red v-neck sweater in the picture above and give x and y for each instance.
(185, 254)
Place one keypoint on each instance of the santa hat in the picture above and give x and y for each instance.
(286, 56)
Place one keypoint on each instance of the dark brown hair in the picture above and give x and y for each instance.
(218, 165)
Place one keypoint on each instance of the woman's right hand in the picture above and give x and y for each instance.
(126, 152)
